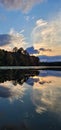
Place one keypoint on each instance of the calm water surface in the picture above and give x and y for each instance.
(30, 100)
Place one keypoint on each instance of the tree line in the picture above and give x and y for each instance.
(17, 57)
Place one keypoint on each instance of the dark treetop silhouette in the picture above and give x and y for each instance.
(18, 57)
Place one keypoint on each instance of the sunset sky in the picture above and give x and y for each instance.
(26, 23)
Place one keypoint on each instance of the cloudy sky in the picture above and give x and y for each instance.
(25, 23)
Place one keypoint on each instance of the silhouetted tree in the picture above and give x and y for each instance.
(19, 57)
(15, 49)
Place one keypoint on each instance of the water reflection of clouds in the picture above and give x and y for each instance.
(47, 97)
(4, 92)
(37, 80)
(45, 94)
(32, 80)
(11, 91)
(50, 73)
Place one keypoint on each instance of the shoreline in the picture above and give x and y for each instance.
(31, 67)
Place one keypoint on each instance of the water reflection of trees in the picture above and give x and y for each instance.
(22, 126)
(17, 76)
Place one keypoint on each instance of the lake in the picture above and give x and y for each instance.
(30, 99)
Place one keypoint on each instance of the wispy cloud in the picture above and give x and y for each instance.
(24, 5)
(40, 23)
(22, 31)
(12, 39)
(28, 18)
(47, 33)
(36, 33)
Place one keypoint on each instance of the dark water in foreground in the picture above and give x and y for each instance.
(30, 100)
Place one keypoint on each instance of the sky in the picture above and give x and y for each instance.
(26, 23)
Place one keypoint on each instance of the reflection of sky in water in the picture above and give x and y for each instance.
(47, 95)
(28, 102)
(11, 91)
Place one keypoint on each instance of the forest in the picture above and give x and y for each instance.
(17, 57)
(20, 57)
